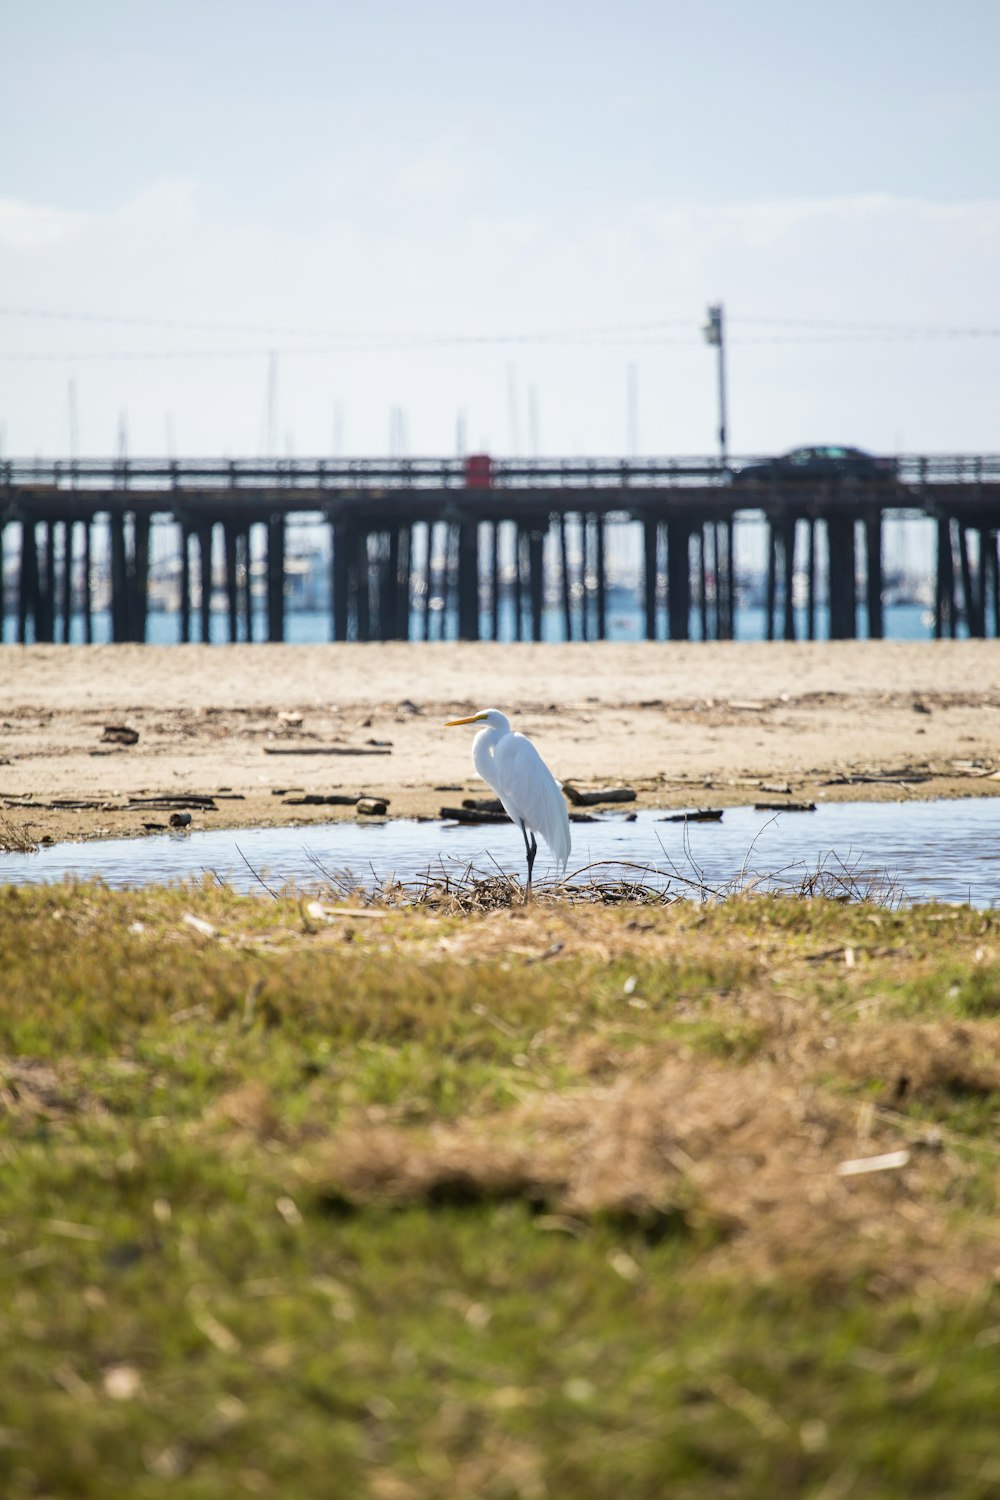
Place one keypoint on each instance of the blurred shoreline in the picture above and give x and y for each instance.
(686, 724)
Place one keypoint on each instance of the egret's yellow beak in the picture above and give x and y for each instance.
(472, 719)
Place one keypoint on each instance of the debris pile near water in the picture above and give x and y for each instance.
(581, 798)
(119, 734)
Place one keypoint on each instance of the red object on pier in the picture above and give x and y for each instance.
(478, 471)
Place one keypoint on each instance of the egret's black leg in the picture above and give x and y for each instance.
(530, 849)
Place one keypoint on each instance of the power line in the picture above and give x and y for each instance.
(838, 325)
(139, 356)
(202, 326)
(188, 325)
(413, 342)
(903, 330)
(650, 333)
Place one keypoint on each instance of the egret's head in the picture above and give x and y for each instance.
(492, 717)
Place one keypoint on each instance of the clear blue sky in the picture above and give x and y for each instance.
(489, 214)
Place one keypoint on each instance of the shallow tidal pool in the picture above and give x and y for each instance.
(902, 852)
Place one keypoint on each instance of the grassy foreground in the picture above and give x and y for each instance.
(563, 1200)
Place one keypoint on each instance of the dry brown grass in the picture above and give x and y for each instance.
(914, 1058)
(31, 1087)
(745, 1158)
(15, 838)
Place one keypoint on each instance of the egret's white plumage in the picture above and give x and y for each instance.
(530, 794)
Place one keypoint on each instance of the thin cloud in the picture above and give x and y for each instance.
(466, 281)
(30, 226)
(427, 178)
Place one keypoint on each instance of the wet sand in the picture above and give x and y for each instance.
(686, 725)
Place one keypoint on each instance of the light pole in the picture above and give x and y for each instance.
(714, 330)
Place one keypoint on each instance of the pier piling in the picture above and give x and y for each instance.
(276, 576)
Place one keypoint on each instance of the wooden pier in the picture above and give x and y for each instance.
(502, 529)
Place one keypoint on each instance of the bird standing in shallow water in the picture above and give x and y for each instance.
(530, 794)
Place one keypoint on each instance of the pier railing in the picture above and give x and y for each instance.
(334, 474)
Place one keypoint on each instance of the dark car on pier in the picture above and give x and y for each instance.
(820, 463)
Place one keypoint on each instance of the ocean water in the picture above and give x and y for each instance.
(626, 622)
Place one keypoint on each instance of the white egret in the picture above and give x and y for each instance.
(530, 794)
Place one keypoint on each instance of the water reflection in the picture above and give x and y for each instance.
(931, 851)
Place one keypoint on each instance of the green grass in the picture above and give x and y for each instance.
(201, 1296)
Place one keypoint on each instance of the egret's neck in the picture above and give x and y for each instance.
(482, 751)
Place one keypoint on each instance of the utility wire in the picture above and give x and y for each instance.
(358, 347)
(838, 325)
(187, 325)
(916, 330)
(650, 333)
(91, 356)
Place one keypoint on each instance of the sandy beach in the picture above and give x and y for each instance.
(257, 727)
